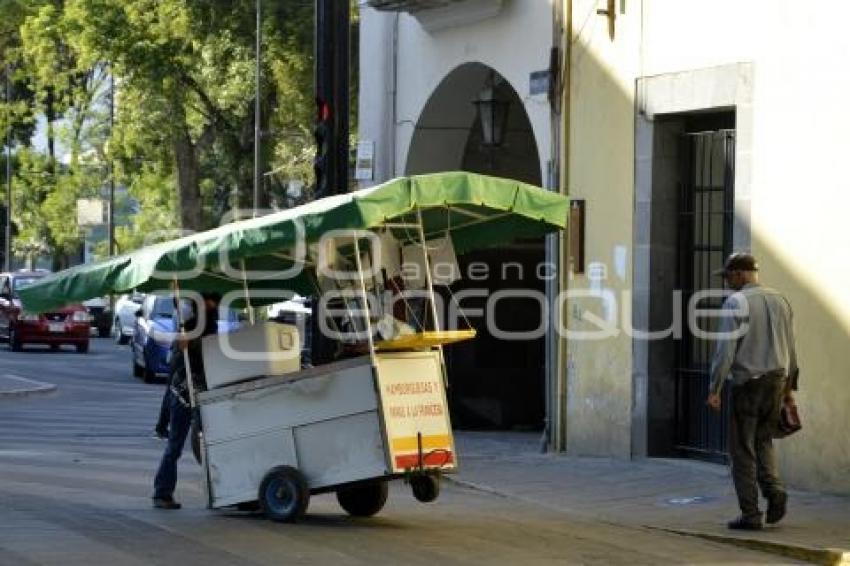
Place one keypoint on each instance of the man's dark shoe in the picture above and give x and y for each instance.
(745, 524)
(776, 507)
(163, 503)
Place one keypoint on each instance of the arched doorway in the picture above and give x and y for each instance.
(495, 383)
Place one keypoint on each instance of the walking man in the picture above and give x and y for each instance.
(756, 354)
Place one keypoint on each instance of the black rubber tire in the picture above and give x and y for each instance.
(425, 488)
(119, 336)
(14, 341)
(283, 494)
(54, 347)
(148, 376)
(138, 371)
(83, 348)
(363, 500)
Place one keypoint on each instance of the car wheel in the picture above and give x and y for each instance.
(283, 494)
(363, 500)
(138, 371)
(83, 348)
(54, 347)
(148, 375)
(15, 343)
(119, 336)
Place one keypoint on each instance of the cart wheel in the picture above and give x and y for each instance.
(15, 343)
(363, 500)
(283, 494)
(425, 488)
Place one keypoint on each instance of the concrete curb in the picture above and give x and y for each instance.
(826, 556)
(32, 387)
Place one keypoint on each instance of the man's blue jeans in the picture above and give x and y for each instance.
(178, 428)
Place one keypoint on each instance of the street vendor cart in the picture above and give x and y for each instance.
(347, 427)
(276, 429)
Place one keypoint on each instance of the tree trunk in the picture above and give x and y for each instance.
(50, 117)
(189, 191)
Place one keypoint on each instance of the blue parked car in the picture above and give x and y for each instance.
(153, 333)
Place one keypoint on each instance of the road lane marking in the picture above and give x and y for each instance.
(30, 386)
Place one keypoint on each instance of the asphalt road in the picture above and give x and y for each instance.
(76, 468)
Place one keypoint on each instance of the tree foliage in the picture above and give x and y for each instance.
(181, 141)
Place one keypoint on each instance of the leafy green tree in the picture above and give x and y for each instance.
(182, 141)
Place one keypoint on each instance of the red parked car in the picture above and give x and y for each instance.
(69, 325)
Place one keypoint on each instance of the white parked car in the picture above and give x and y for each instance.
(124, 321)
(100, 317)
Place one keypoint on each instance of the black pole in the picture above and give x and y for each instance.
(331, 53)
(342, 49)
(332, 96)
(7, 257)
(257, 141)
(323, 164)
(110, 220)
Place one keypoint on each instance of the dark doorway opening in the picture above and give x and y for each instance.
(691, 234)
(498, 383)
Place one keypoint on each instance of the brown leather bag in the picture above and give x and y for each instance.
(789, 417)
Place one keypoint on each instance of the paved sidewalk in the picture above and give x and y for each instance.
(684, 496)
(12, 385)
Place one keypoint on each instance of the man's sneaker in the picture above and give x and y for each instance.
(163, 503)
(776, 507)
(160, 434)
(745, 524)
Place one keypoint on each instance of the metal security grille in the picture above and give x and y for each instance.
(705, 238)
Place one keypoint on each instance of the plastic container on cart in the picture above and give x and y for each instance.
(266, 348)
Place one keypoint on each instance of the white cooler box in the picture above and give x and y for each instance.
(266, 348)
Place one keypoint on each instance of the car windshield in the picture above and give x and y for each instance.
(19, 283)
(163, 307)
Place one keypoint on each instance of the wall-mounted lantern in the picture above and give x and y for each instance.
(492, 113)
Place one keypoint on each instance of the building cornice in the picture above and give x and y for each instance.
(440, 14)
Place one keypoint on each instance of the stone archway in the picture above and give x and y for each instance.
(495, 383)
(448, 134)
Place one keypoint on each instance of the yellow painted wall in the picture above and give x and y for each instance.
(599, 383)
(800, 194)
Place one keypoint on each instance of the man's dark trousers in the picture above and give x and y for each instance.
(178, 428)
(755, 412)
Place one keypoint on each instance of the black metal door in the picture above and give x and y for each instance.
(705, 238)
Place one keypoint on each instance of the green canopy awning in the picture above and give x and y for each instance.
(476, 210)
